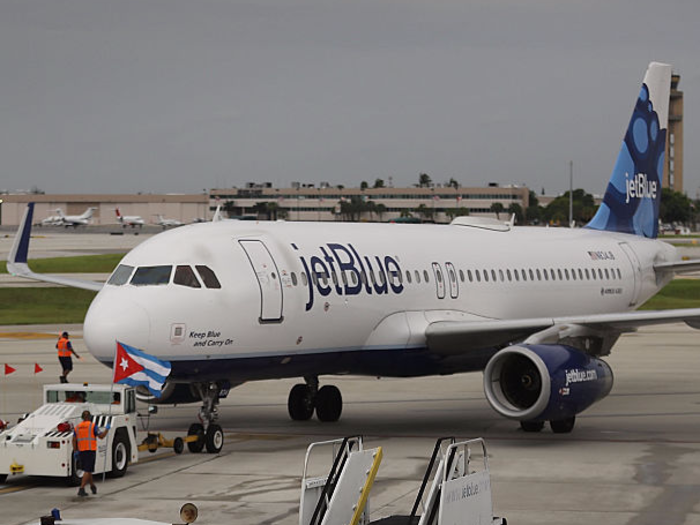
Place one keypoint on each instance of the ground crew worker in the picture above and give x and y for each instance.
(65, 349)
(85, 445)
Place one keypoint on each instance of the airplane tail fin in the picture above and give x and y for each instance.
(632, 199)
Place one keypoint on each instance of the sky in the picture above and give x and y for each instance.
(175, 96)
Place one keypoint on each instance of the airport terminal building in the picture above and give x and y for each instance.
(301, 202)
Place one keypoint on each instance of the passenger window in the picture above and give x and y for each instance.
(121, 275)
(580, 274)
(510, 277)
(335, 278)
(408, 277)
(500, 275)
(539, 275)
(486, 276)
(208, 276)
(619, 274)
(566, 273)
(532, 275)
(523, 273)
(425, 276)
(184, 276)
(607, 274)
(354, 278)
(493, 275)
(344, 278)
(294, 279)
(303, 279)
(478, 275)
(371, 277)
(553, 274)
(469, 276)
(151, 275)
(417, 276)
(382, 277)
(461, 275)
(600, 274)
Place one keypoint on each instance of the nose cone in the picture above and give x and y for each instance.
(111, 318)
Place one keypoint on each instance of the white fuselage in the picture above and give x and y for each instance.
(372, 290)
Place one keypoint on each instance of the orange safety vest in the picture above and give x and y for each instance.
(62, 346)
(85, 434)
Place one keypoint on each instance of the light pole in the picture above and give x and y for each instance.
(571, 194)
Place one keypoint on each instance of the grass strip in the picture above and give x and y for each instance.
(77, 264)
(679, 293)
(43, 305)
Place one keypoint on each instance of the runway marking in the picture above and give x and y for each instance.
(10, 490)
(28, 335)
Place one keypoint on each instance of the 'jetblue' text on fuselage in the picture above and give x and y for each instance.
(340, 268)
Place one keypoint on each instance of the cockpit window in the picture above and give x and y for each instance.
(151, 275)
(184, 276)
(208, 276)
(121, 275)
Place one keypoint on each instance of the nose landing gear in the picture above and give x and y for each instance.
(209, 433)
(305, 398)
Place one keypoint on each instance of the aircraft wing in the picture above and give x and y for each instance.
(17, 259)
(454, 337)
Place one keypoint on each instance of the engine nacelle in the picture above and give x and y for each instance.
(171, 394)
(544, 382)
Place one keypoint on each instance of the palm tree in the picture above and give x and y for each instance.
(380, 209)
(424, 181)
(497, 208)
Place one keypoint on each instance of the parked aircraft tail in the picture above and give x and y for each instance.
(632, 199)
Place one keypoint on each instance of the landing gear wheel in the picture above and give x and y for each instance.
(120, 455)
(532, 426)
(178, 445)
(3, 477)
(563, 426)
(196, 429)
(329, 404)
(214, 439)
(76, 473)
(300, 403)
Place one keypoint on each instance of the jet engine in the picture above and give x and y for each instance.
(544, 382)
(171, 394)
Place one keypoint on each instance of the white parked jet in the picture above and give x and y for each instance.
(165, 223)
(129, 220)
(71, 220)
(534, 308)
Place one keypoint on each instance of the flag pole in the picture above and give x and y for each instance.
(109, 416)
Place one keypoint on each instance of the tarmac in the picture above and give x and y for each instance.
(633, 458)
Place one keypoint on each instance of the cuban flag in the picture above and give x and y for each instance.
(136, 368)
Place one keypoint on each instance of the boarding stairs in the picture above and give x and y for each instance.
(456, 487)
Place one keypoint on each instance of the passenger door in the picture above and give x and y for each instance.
(268, 277)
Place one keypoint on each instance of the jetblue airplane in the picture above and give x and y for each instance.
(534, 308)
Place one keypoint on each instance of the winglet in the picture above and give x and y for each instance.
(20, 247)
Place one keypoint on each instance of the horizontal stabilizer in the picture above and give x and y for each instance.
(679, 266)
